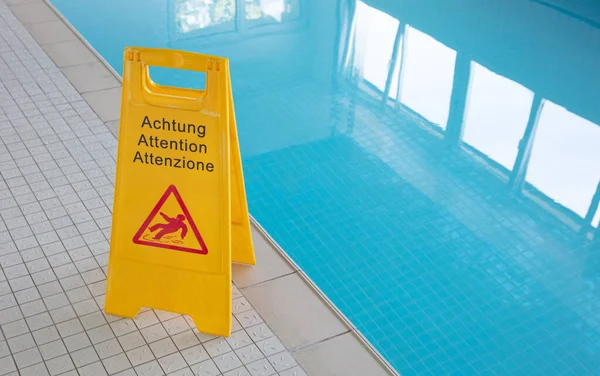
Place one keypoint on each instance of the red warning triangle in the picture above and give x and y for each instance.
(171, 226)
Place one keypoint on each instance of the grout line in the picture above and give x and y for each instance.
(302, 347)
(266, 281)
(366, 343)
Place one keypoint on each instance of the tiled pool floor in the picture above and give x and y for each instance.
(522, 308)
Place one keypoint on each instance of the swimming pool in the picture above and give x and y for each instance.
(434, 169)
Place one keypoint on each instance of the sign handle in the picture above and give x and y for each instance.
(167, 96)
(176, 59)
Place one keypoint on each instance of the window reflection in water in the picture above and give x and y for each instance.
(427, 77)
(393, 94)
(565, 159)
(564, 155)
(375, 31)
(192, 15)
(496, 116)
(260, 12)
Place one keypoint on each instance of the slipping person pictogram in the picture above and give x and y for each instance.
(172, 225)
(165, 232)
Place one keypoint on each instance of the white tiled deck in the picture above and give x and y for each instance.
(58, 101)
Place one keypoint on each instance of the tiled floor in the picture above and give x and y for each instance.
(56, 187)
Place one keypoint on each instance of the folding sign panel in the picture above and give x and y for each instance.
(180, 214)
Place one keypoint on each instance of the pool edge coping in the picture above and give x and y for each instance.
(263, 232)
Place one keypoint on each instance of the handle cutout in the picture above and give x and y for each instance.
(178, 78)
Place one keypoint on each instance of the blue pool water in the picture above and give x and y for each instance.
(433, 166)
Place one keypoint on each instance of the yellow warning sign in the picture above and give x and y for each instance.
(180, 215)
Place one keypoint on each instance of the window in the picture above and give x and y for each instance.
(427, 77)
(264, 12)
(212, 15)
(496, 115)
(375, 34)
(565, 158)
(196, 18)
(396, 73)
